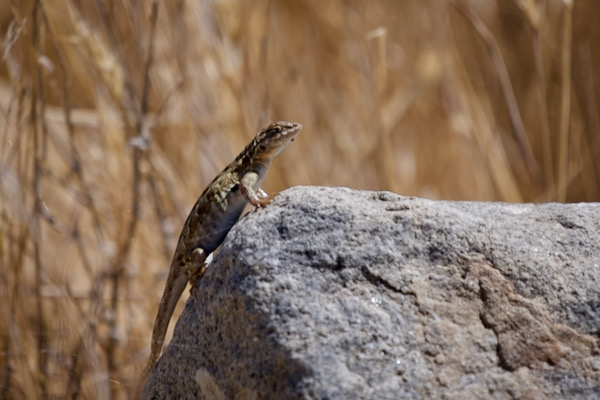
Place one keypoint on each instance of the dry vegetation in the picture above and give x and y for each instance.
(114, 115)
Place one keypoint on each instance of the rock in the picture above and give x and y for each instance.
(332, 293)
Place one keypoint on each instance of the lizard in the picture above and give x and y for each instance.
(213, 215)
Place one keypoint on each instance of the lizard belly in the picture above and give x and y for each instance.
(217, 229)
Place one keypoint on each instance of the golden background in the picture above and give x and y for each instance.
(115, 115)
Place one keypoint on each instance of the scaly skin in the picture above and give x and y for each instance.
(213, 215)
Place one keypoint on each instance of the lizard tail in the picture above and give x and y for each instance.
(170, 297)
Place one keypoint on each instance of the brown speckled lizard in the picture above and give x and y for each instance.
(213, 215)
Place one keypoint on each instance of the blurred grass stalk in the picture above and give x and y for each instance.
(565, 109)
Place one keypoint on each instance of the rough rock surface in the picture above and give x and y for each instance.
(332, 293)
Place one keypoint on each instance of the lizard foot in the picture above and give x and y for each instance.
(262, 200)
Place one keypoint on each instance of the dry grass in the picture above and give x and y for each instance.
(114, 116)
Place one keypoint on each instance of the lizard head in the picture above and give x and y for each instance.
(270, 141)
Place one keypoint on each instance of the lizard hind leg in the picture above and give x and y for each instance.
(195, 268)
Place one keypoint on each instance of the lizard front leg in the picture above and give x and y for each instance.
(257, 198)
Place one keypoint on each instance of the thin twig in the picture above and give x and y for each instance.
(17, 259)
(75, 372)
(37, 100)
(144, 134)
